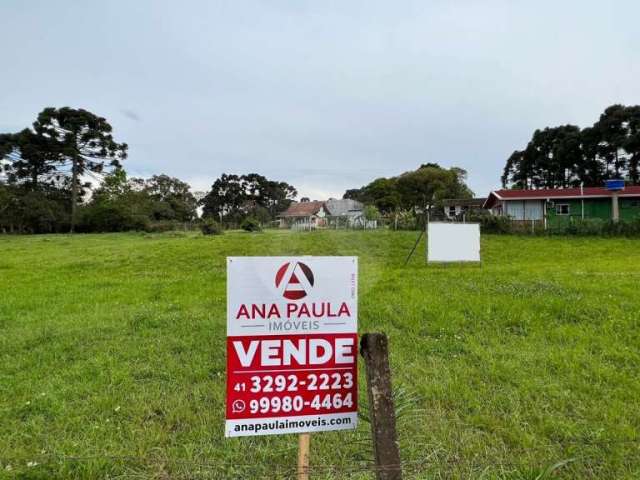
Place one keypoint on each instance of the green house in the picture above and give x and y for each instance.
(558, 206)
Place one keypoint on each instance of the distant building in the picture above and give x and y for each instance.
(455, 208)
(557, 206)
(348, 213)
(304, 216)
(333, 213)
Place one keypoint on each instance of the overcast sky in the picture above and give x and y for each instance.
(326, 95)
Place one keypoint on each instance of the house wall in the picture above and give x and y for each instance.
(599, 208)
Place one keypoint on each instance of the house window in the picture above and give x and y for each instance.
(452, 211)
(562, 209)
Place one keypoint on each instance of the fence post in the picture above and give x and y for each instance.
(375, 351)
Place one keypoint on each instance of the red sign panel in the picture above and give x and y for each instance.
(295, 368)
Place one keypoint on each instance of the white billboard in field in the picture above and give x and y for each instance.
(453, 242)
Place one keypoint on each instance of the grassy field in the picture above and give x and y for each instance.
(112, 357)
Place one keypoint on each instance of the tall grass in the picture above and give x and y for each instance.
(112, 357)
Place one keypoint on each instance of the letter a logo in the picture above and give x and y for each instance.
(294, 279)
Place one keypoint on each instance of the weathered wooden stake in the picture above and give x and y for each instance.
(304, 439)
(375, 351)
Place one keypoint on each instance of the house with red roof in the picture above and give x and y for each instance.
(332, 213)
(304, 216)
(556, 206)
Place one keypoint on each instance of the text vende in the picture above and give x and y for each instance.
(269, 352)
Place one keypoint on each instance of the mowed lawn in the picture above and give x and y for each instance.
(112, 359)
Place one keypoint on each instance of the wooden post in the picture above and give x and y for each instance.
(374, 349)
(304, 440)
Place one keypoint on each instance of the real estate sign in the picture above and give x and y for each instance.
(291, 344)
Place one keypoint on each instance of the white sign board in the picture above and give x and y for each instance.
(292, 345)
(453, 242)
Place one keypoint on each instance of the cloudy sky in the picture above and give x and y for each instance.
(326, 95)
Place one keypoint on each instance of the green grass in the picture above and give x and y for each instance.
(112, 357)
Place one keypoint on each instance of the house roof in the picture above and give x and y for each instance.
(464, 202)
(345, 206)
(303, 209)
(558, 193)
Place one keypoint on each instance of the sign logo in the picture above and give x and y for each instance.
(294, 280)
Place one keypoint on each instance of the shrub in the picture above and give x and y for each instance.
(211, 227)
(164, 226)
(371, 213)
(588, 226)
(110, 217)
(250, 224)
(597, 227)
(629, 228)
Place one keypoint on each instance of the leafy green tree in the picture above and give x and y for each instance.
(119, 204)
(114, 185)
(226, 197)
(425, 187)
(234, 197)
(172, 198)
(382, 192)
(417, 190)
(82, 141)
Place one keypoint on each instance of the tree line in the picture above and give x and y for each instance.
(65, 173)
(568, 156)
